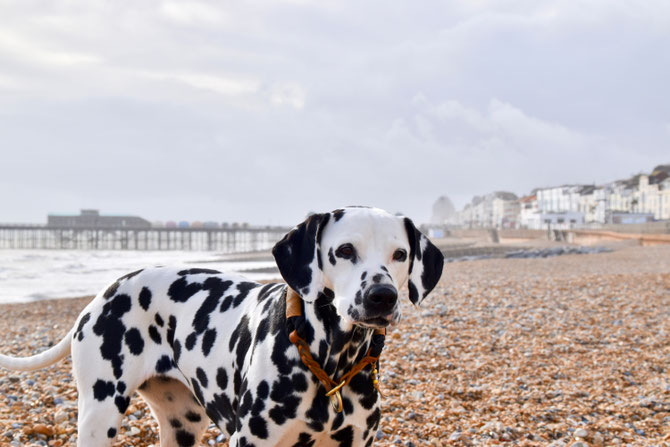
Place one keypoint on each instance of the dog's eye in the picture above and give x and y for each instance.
(346, 251)
(399, 255)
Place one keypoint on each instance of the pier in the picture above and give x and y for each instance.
(225, 240)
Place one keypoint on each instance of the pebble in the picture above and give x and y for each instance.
(42, 429)
(60, 416)
(580, 433)
(597, 440)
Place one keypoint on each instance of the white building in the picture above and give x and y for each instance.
(499, 209)
(665, 199)
(533, 219)
(529, 215)
(561, 207)
(621, 197)
(505, 210)
(651, 196)
(559, 198)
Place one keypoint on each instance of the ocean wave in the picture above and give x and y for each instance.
(34, 275)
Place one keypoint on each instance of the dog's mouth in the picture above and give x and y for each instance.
(377, 322)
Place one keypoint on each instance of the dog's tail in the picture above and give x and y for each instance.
(46, 358)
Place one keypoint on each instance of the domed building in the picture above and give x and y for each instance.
(443, 211)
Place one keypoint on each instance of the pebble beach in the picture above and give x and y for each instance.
(567, 351)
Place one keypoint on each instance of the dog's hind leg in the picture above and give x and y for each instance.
(181, 420)
(98, 421)
(103, 398)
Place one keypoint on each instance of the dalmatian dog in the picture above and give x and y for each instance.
(200, 345)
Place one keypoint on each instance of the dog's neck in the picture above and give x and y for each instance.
(337, 344)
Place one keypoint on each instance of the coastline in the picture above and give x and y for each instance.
(39, 275)
(526, 351)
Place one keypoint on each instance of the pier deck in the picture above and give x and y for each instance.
(227, 240)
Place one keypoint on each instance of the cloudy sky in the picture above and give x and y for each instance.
(264, 110)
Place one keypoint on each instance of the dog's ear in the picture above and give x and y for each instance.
(425, 263)
(298, 256)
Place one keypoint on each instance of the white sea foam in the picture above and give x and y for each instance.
(29, 275)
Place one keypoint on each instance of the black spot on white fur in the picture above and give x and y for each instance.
(198, 271)
(164, 364)
(145, 298)
(155, 335)
(102, 390)
(110, 327)
(79, 332)
(134, 341)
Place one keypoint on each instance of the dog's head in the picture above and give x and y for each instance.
(362, 255)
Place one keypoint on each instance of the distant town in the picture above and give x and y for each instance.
(641, 199)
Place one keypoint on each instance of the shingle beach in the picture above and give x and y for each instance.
(565, 351)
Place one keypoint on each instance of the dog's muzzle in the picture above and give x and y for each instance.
(379, 303)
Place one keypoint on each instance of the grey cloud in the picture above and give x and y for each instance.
(262, 111)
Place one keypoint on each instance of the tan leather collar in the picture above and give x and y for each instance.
(293, 303)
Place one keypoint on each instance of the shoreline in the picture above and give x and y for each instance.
(452, 252)
(30, 276)
(524, 352)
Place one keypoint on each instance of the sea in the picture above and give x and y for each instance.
(34, 275)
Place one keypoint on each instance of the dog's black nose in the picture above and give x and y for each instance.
(380, 298)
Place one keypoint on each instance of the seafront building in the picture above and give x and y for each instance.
(498, 209)
(641, 199)
(93, 219)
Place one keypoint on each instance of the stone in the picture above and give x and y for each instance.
(43, 429)
(580, 433)
(60, 416)
(597, 440)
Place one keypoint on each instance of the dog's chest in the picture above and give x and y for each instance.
(251, 374)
